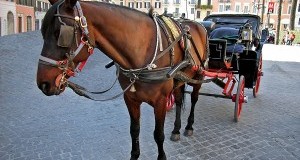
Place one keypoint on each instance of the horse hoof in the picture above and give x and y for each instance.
(175, 137)
(188, 133)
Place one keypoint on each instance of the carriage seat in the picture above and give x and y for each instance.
(223, 44)
(209, 26)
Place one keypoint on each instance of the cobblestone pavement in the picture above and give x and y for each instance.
(34, 126)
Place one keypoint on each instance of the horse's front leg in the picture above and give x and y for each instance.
(159, 136)
(194, 98)
(179, 98)
(134, 112)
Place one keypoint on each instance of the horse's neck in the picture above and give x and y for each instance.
(128, 37)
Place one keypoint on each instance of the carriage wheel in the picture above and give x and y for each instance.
(239, 98)
(259, 74)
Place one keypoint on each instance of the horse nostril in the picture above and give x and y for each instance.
(44, 87)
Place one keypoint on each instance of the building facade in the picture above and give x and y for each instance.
(8, 20)
(18, 16)
(198, 9)
(269, 19)
(25, 18)
(41, 7)
(191, 9)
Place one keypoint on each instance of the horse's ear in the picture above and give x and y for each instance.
(151, 11)
(52, 1)
(70, 3)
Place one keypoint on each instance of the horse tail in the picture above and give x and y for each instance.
(183, 97)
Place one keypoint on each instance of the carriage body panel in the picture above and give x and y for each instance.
(234, 55)
(228, 51)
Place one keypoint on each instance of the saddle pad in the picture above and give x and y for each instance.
(172, 26)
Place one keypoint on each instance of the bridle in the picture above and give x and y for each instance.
(67, 65)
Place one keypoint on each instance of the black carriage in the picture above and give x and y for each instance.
(235, 55)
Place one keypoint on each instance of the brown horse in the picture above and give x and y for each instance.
(130, 38)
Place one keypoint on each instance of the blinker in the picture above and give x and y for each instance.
(66, 36)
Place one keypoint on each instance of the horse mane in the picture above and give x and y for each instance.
(49, 16)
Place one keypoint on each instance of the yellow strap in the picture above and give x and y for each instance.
(171, 25)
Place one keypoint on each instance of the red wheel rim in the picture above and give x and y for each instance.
(239, 99)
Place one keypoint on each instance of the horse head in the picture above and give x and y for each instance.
(66, 45)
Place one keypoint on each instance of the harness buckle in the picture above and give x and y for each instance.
(90, 49)
(82, 21)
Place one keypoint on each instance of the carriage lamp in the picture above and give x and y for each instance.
(247, 33)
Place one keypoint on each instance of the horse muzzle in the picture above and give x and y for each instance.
(49, 89)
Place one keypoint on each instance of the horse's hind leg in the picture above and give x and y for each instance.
(179, 97)
(159, 136)
(134, 112)
(194, 99)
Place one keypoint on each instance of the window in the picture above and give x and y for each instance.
(121, 3)
(208, 2)
(157, 5)
(19, 24)
(227, 7)
(237, 8)
(30, 3)
(37, 24)
(299, 7)
(221, 8)
(192, 2)
(255, 8)
(176, 13)
(147, 4)
(192, 10)
(139, 4)
(207, 13)
(165, 10)
(176, 1)
(299, 21)
(29, 23)
(46, 6)
(289, 10)
(276, 9)
(39, 6)
(22, 2)
(246, 9)
(198, 14)
(131, 4)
